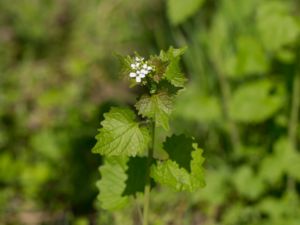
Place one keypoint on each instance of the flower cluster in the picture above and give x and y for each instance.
(140, 69)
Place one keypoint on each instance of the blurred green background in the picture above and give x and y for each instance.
(58, 75)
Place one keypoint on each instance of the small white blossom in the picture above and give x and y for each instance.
(132, 74)
(140, 69)
(138, 79)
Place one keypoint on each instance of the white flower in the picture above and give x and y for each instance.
(140, 69)
(132, 74)
(138, 79)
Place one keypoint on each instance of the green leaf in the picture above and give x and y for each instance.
(284, 160)
(112, 183)
(248, 183)
(168, 173)
(250, 57)
(275, 24)
(137, 170)
(121, 177)
(171, 174)
(256, 101)
(121, 134)
(179, 10)
(157, 107)
(179, 149)
(173, 71)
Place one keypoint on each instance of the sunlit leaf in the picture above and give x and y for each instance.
(121, 177)
(173, 173)
(173, 71)
(112, 183)
(121, 134)
(157, 106)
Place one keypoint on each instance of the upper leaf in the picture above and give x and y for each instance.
(157, 107)
(121, 134)
(173, 71)
(173, 172)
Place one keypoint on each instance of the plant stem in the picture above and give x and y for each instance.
(148, 179)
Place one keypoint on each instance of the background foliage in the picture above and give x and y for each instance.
(59, 75)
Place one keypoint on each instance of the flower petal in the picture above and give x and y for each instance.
(138, 79)
(132, 74)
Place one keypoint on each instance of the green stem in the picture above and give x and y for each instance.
(148, 181)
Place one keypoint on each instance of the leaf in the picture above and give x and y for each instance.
(121, 134)
(284, 160)
(173, 71)
(255, 102)
(137, 170)
(283, 210)
(112, 183)
(179, 149)
(179, 11)
(157, 107)
(174, 74)
(250, 57)
(171, 174)
(275, 25)
(121, 177)
(248, 183)
(168, 173)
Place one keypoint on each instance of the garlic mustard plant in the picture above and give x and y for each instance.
(127, 138)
